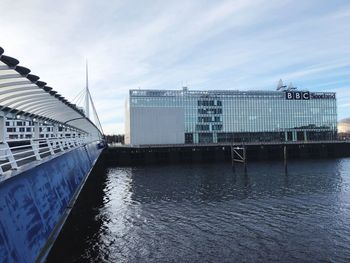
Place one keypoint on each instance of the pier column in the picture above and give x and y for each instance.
(305, 136)
(2, 129)
(285, 136)
(294, 136)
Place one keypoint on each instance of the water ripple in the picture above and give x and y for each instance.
(208, 213)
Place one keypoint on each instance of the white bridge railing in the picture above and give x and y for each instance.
(26, 151)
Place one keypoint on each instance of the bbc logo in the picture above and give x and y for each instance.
(297, 95)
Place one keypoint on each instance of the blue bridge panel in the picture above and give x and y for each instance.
(33, 202)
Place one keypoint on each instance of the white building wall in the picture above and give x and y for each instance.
(157, 125)
(127, 124)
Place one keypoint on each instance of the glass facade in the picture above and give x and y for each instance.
(247, 116)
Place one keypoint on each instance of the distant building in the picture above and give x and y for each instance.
(17, 129)
(226, 116)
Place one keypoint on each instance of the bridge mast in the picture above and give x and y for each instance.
(87, 99)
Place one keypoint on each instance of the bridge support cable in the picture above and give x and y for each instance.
(84, 99)
(97, 119)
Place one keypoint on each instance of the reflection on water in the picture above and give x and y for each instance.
(210, 213)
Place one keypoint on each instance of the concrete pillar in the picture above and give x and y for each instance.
(285, 136)
(305, 136)
(294, 136)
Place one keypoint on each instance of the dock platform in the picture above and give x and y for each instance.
(197, 153)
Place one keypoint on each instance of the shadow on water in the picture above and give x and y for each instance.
(81, 225)
(210, 212)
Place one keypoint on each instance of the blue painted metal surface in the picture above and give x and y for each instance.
(33, 203)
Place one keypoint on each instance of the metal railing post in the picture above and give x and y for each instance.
(71, 144)
(50, 147)
(61, 145)
(66, 143)
(35, 147)
(10, 157)
(2, 129)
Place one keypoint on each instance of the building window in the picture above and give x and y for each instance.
(188, 137)
(202, 127)
(216, 127)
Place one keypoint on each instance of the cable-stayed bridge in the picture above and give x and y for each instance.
(45, 158)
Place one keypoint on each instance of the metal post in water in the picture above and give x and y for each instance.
(245, 158)
(285, 158)
(232, 157)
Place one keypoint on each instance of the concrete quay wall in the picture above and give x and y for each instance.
(144, 155)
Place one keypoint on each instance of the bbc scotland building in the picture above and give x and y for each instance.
(229, 116)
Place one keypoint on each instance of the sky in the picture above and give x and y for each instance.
(131, 44)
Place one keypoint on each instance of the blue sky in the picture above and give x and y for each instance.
(169, 44)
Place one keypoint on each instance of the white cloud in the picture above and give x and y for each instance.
(167, 44)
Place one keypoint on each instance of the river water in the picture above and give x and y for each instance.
(210, 213)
